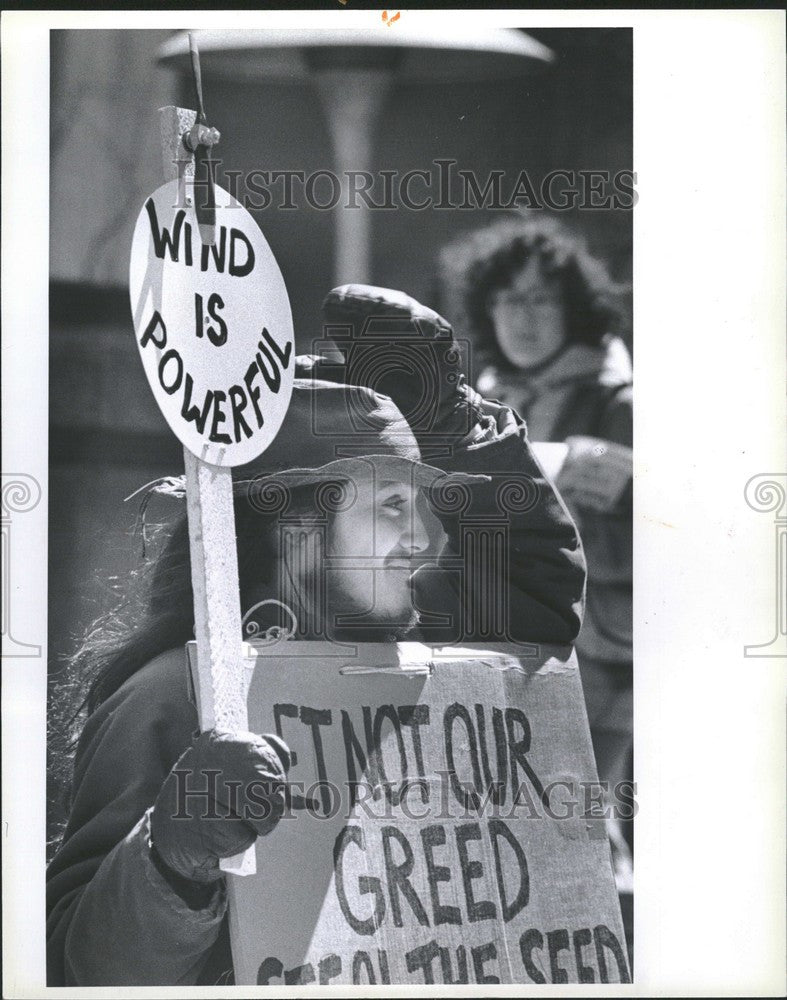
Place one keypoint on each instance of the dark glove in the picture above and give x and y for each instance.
(192, 832)
(395, 346)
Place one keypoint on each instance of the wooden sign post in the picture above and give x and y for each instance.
(214, 330)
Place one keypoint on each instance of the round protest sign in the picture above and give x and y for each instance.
(213, 326)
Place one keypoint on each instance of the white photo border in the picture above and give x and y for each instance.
(709, 295)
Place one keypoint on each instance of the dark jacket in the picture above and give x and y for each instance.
(587, 391)
(113, 918)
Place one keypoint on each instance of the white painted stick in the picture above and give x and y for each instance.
(214, 559)
(214, 579)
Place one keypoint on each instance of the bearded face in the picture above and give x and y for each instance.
(349, 577)
(374, 547)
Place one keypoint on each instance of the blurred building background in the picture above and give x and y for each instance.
(106, 434)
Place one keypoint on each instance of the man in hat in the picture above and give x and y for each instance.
(529, 584)
(333, 524)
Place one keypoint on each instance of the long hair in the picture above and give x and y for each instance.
(489, 259)
(155, 613)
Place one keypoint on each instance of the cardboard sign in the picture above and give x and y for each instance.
(213, 326)
(440, 825)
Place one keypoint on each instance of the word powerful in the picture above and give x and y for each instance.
(208, 412)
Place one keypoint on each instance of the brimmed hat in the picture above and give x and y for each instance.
(333, 432)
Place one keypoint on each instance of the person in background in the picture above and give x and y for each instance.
(541, 316)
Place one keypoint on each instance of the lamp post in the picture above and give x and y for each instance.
(353, 70)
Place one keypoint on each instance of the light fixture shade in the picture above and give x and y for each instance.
(421, 56)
